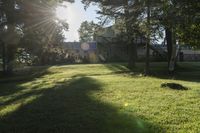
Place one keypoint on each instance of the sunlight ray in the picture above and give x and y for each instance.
(39, 23)
(49, 23)
(51, 32)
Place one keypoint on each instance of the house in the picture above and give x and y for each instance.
(81, 52)
(188, 53)
(113, 48)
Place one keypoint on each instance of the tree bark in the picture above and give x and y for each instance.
(148, 39)
(10, 58)
(168, 33)
(4, 57)
(171, 47)
(132, 54)
(131, 43)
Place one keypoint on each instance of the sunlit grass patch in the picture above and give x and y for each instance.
(100, 98)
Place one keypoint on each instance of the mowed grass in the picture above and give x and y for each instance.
(100, 98)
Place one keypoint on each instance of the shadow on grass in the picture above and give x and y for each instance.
(70, 107)
(184, 71)
(24, 75)
(9, 85)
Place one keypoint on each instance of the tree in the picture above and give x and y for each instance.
(22, 16)
(188, 28)
(148, 38)
(41, 45)
(87, 31)
(177, 17)
(129, 12)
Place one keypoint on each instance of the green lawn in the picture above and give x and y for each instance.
(107, 98)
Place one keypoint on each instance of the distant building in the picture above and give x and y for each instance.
(189, 53)
(81, 51)
(109, 47)
(113, 48)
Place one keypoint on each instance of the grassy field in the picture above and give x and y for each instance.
(100, 98)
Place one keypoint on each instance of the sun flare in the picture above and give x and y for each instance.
(61, 13)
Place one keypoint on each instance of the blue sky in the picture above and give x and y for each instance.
(75, 16)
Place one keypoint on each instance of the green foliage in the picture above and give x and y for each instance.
(182, 16)
(87, 31)
(27, 20)
(43, 45)
(190, 35)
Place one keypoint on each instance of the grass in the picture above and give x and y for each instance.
(107, 98)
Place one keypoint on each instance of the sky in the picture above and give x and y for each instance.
(75, 15)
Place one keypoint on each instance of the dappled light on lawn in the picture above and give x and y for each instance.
(99, 66)
(10, 107)
(100, 98)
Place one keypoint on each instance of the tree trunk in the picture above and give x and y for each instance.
(168, 33)
(132, 55)
(174, 53)
(148, 39)
(131, 43)
(171, 48)
(10, 58)
(4, 58)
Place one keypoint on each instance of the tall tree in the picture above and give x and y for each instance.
(126, 10)
(40, 45)
(175, 17)
(87, 31)
(21, 16)
(148, 38)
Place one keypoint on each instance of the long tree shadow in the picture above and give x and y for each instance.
(69, 108)
(25, 74)
(10, 85)
(184, 72)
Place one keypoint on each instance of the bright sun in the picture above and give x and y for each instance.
(61, 13)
